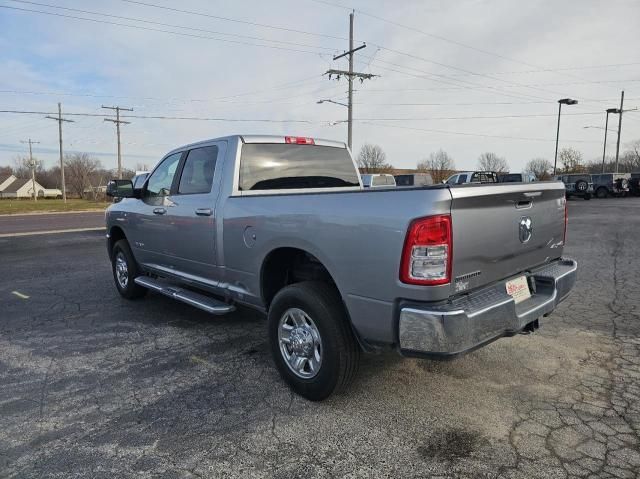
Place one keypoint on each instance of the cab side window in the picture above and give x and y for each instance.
(462, 179)
(452, 180)
(197, 173)
(161, 179)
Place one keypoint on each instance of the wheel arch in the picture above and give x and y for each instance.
(287, 265)
(116, 233)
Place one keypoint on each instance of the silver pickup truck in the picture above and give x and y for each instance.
(283, 225)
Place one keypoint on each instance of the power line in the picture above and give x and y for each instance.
(138, 27)
(186, 27)
(276, 87)
(540, 115)
(271, 120)
(461, 133)
(245, 22)
(163, 117)
(556, 70)
(439, 37)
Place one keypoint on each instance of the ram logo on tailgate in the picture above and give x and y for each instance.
(526, 229)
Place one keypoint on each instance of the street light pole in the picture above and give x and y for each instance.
(563, 101)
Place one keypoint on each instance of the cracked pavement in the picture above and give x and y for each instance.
(92, 385)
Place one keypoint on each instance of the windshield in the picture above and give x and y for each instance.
(274, 166)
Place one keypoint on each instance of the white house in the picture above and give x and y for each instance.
(21, 188)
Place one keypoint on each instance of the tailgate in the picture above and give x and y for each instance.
(501, 230)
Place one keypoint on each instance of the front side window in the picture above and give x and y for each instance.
(452, 180)
(275, 166)
(462, 179)
(161, 179)
(197, 173)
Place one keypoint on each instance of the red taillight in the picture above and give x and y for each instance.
(427, 252)
(299, 140)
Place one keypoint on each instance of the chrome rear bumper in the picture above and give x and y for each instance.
(468, 322)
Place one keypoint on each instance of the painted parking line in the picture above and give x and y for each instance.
(20, 295)
(49, 232)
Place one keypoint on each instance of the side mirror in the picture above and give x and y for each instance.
(120, 189)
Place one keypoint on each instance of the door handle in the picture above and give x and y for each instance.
(159, 211)
(204, 211)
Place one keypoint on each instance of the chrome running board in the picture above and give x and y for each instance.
(198, 300)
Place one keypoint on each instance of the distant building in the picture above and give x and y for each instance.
(21, 188)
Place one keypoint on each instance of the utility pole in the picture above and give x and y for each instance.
(59, 119)
(32, 164)
(117, 121)
(619, 127)
(606, 129)
(351, 75)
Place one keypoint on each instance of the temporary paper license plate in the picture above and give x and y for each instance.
(518, 289)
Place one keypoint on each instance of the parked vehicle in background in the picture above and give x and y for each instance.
(416, 179)
(465, 177)
(577, 184)
(283, 225)
(377, 180)
(634, 184)
(611, 184)
(517, 178)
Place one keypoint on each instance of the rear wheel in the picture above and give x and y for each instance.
(602, 192)
(311, 340)
(125, 270)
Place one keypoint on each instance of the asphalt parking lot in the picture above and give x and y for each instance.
(94, 386)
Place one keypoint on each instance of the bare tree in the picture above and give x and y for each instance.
(571, 160)
(492, 162)
(540, 167)
(6, 171)
(439, 164)
(79, 169)
(372, 159)
(21, 167)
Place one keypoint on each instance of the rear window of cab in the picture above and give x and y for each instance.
(276, 166)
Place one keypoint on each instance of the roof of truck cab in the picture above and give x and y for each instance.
(277, 139)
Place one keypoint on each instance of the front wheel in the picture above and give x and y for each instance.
(311, 340)
(125, 270)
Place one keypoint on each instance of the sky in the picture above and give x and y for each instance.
(468, 76)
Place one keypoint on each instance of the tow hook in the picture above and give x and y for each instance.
(531, 327)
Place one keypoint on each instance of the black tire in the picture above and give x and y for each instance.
(340, 352)
(602, 192)
(587, 196)
(128, 290)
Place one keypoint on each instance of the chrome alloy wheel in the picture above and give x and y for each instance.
(300, 343)
(122, 270)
